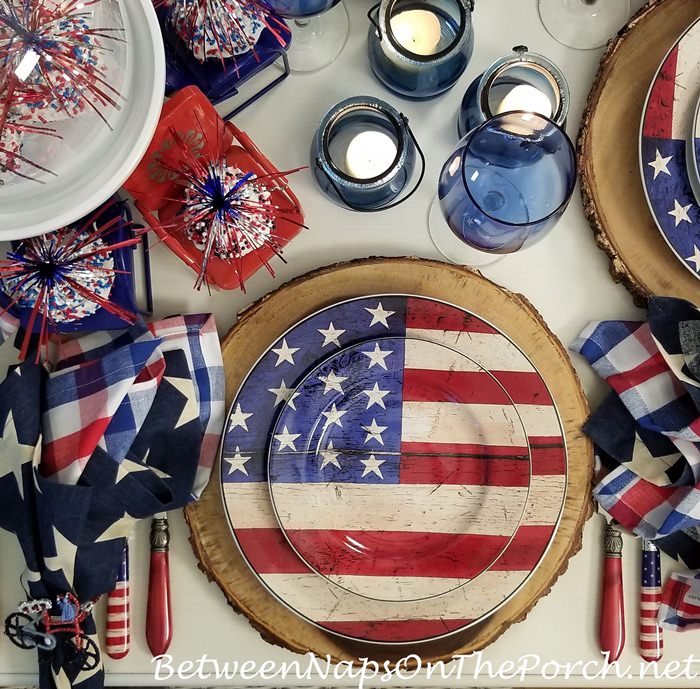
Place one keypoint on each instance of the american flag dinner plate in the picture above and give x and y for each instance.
(399, 469)
(666, 132)
(270, 390)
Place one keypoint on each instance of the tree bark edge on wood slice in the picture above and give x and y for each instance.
(262, 323)
(608, 158)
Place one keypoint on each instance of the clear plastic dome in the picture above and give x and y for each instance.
(80, 82)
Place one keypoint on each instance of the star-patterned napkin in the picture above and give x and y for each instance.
(125, 426)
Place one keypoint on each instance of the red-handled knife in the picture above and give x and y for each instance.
(117, 632)
(159, 624)
(651, 640)
(612, 609)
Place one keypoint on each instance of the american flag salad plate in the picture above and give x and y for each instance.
(665, 151)
(531, 461)
(409, 473)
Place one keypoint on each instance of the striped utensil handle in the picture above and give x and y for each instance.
(651, 640)
(117, 632)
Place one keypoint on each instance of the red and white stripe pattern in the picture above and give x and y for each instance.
(674, 93)
(387, 621)
(117, 630)
(651, 643)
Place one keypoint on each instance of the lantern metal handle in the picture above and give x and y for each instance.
(374, 8)
(359, 209)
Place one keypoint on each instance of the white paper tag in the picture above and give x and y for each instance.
(27, 65)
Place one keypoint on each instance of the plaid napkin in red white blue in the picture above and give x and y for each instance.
(647, 431)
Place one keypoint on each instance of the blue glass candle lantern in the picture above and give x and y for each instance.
(507, 183)
(220, 79)
(419, 48)
(319, 30)
(519, 81)
(364, 155)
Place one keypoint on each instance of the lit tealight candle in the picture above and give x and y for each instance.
(418, 31)
(528, 98)
(370, 154)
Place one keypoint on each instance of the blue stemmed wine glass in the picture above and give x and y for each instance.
(505, 186)
(319, 30)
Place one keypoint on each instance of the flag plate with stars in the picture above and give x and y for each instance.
(666, 134)
(368, 471)
(412, 422)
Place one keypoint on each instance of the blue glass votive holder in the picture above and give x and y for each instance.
(420, 48)
(519, 81)
(506, 184)
(219, 79)
(364, 155)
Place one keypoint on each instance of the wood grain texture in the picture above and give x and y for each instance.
(262, 323)
(608, 155)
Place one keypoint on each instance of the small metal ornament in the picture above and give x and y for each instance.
(519, 81)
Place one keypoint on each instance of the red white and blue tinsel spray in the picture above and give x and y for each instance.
(221, 29)
(226, 212)
(63, 276)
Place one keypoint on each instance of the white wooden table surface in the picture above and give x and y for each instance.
(565, 277)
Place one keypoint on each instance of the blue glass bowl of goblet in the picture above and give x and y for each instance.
(508, 182)
(297, 9)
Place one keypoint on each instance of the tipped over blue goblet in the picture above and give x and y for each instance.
(504, 187)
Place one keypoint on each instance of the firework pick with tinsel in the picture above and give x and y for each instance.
(58, 281)
(227, 211)
(212, 196)
(55, 59)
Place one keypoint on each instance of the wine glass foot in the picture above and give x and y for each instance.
(319, 40)
(452, 248)
(583, 24)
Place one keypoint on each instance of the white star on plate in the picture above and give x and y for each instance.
(285, 353)
(680, 213)
(377, 356)
(374, 432)
(286, 439)
(380, 315)
(238, 418)
(332, 382)
(376, 396)
(660, 164)
(331, 335)
(237, 462)
(330, 456)
(695, 258)
(372, 466)
(333, 417)
(284, 394)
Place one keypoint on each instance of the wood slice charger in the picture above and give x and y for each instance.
(261, 324)
(608, 154)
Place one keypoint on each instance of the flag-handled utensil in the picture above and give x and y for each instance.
(612, 607)
(159, 625)
(651, 642)
(118, 625)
